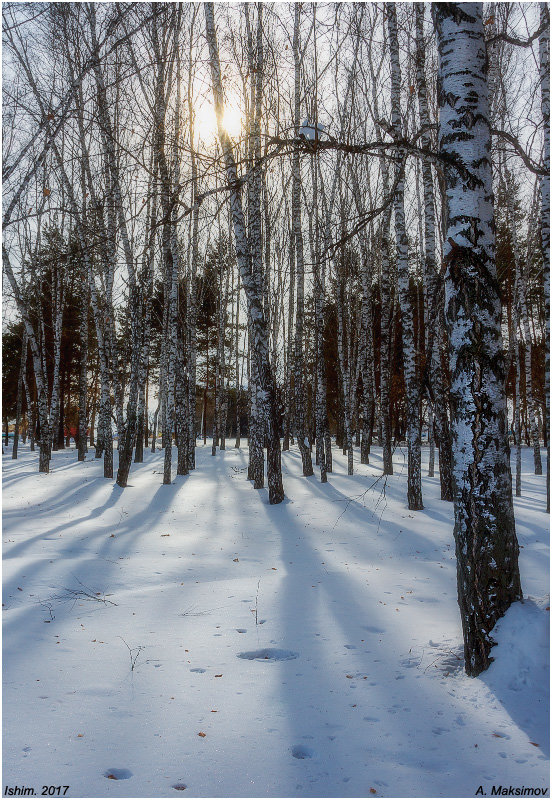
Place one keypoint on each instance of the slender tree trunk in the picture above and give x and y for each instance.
(22, 369)
(237, 352)
(154, 431)
(320, 364)
(407, 312)
(38, 366)
(517, 420)
(299, 415)
(83, 371)
(435, 312)
(258, 326)
(31, 414)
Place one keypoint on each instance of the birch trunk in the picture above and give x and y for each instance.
(57, 320)
(22, 370)
(484, 530)
(439, 420)
(31, 414)
(83, 370)
(38, 366)
(544, 55)
(403, 271)
(236, 356)
(258, 327)
(320, 364)
(298, 362)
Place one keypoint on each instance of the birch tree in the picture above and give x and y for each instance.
(484, 530)
(258, 327)
(407, 312)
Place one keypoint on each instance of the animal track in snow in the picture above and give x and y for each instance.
(269, 654)
(301, 751)
(118, 774)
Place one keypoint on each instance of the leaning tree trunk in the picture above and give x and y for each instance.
(484, 529)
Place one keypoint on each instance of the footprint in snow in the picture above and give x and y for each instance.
(198, 669)
(241, 630)
(269, 654)
(118, 774)
(301, 751)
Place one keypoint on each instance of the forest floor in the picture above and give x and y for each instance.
(192, 635)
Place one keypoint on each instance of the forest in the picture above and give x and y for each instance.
(300, 248)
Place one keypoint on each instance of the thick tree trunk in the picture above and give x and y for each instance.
(544, 54)
(484, 529)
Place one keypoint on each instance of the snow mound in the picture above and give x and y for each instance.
(519, 675)
(522, 659)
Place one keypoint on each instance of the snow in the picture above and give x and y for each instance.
(160, 637)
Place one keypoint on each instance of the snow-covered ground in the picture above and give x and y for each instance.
(310, 649)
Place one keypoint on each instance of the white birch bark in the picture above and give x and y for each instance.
(258, 326)
(299, 367)
(38, 366)
(403, 271)
(20, 380)
(435, 313)
(484, 530)
(544, 56)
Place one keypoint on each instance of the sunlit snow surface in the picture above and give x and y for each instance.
(351, 596)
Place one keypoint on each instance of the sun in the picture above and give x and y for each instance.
(206, 122)
(232, 121)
